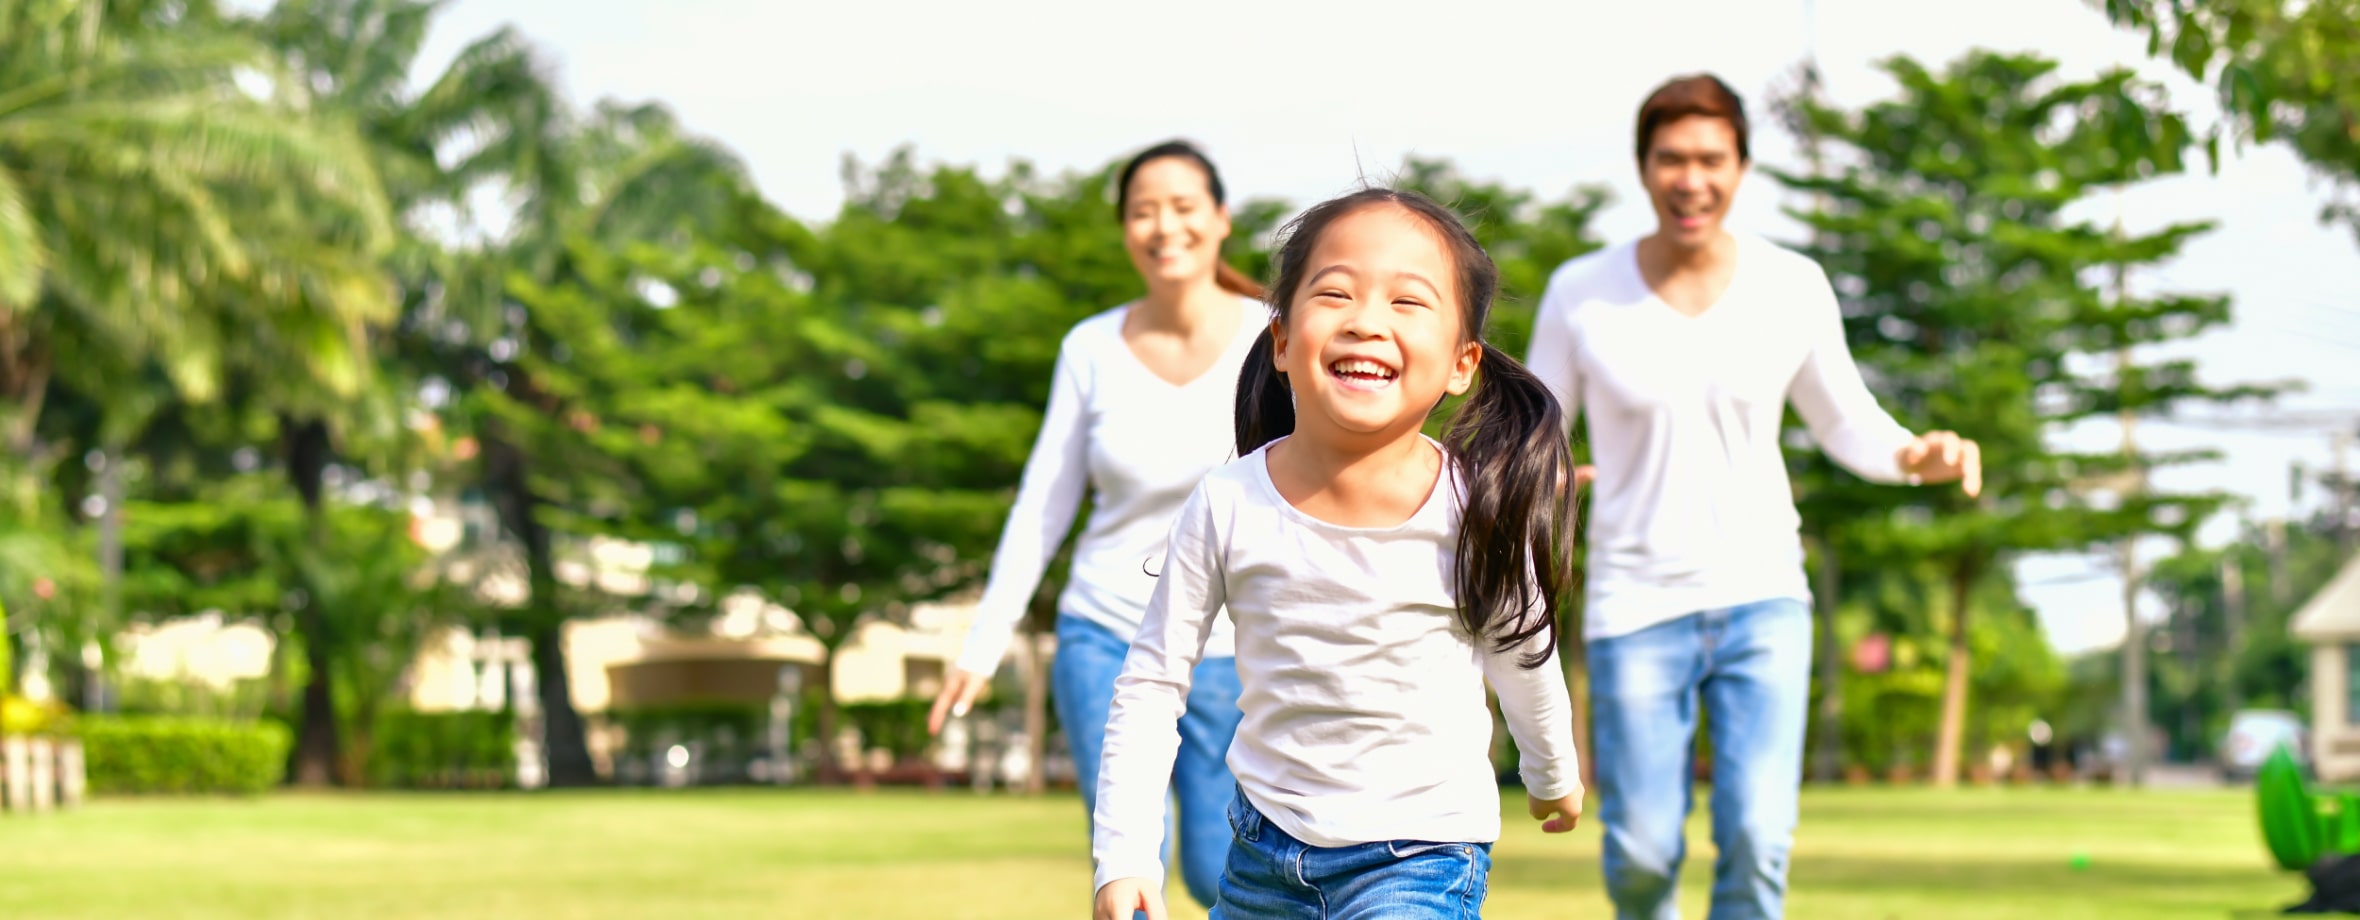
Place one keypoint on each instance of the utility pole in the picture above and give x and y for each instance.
(2233, 622)
(2134, 638)
(2345, 532)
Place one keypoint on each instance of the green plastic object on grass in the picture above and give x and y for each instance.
(2300, 824)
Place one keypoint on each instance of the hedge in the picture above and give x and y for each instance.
(442, 750)
(163, 754)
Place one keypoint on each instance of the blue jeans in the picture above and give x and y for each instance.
(1273, 876)
(1751, 664)
(1081, 679)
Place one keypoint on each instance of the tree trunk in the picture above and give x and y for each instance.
(1954, 681)
(825, 721)
(565, 742)
(1828, 761)
(1036, 712)
(506, 478)
(317, 746)
(24, 384)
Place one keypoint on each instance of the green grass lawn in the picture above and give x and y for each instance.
(826, 854)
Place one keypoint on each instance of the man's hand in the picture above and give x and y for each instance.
(1556, 815)
(1943, 456)
(1123, 896)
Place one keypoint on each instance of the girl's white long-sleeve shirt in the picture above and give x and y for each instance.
(1135, 443)
(1365, 718)
(1691, 509)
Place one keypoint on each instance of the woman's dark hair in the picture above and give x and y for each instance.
(1507, 440)
(1228, 278)
(1693, 95)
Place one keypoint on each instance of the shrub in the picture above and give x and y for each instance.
(156, 754)
(898, 726)
(442, 750)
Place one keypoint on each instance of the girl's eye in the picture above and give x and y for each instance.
(1338, 295)
(1409, 302)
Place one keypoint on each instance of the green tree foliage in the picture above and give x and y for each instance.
(832, 422)
(1973, 304)
(489, 113)
(2286, 70)
(2225, 645)
(165, 202)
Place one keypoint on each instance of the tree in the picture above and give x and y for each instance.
(143, 191)
(165, 201)
(2285, 70)
(1971, 305)
(2226, 635)
(626, 176)
(491, 114)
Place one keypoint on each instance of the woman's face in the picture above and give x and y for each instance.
(1171, 225)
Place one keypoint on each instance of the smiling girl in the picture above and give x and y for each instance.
(1376, 578)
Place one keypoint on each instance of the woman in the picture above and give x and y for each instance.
(1139, 411)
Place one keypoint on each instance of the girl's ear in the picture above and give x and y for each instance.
(1278, 346)
(1462, 372)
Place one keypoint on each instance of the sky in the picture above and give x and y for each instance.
(1298, 100)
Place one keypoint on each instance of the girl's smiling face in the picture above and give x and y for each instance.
(1375, 335)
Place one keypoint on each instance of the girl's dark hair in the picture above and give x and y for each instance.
(1228, 278)
(1507, 441)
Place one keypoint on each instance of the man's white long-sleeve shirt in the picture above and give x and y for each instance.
(1691, 509)
(1364, 711)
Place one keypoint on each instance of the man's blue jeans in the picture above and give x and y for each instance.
(1751, 667)
(1081, 679)
(1273, 876)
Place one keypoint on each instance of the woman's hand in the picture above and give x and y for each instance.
(1943, 456)
(959, 689)
(1122, 896)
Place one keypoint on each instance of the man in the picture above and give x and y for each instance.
(1683, 349)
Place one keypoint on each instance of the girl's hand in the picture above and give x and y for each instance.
(1567, 812)
(1943, 456)
(959, 689)
(1122, 896)
(1583, 474)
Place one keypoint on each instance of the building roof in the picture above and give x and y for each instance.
(2333, 614)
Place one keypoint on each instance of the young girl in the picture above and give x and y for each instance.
(1375, 578)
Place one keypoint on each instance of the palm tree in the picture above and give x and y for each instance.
(164, 197)
(155, 180)
(488, 117)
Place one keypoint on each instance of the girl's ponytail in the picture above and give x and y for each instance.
(1265, 406)
(1508, 441)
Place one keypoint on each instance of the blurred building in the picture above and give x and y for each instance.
(631, 658)
(2330, 623)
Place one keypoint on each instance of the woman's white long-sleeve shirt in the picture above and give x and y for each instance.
(1136, 444)
(1691, 509)
(1365, 716)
